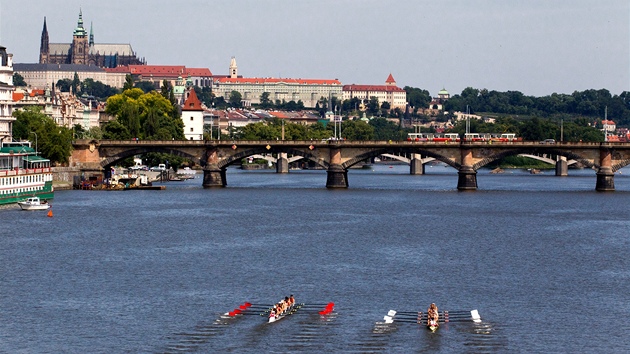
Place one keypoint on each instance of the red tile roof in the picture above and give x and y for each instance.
(17, 96)
(376, 88)
(261, 80)
(161, 70)
(202, 72)
(390, 79)
(192, 103)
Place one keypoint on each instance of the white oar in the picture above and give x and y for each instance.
(475, 316)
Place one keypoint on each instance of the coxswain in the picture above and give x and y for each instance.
(272, 313)
(433, 315)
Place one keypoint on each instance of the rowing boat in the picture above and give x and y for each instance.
(289, 311)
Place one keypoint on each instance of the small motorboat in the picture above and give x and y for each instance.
(34, 203)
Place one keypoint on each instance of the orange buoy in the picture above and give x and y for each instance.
(50, 214)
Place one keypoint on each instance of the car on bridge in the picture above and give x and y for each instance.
(548, 141)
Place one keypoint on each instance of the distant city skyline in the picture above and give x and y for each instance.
(536, 47)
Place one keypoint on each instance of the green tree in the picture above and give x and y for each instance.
(417, 98)
(235, 99)
(18, 80)
(265, 101)
(143, 115)
(76, 84)
(63, 85)
(128, 83)
(357, 130)
(145, 86)
(53, 142)
(97, 89)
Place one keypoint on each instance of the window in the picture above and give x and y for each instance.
(191, 130)
(192, 118)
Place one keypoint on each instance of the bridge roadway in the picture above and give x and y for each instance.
(338, 156)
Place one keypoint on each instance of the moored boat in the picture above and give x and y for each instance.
(34, 203)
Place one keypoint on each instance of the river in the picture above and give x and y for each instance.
(543, 259)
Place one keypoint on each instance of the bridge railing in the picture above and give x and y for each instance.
(203, 143)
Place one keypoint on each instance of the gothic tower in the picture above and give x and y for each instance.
(80, 48)
(233, 69)
(43, 47)
(91, 44)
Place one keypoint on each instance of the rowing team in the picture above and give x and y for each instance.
(282, 306)
(433, 316)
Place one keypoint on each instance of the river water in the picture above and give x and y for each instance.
(544, 259)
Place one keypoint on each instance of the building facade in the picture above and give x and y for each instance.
(84, 51)
(6, 95)
(192, 116)
(39, 76)
(309, 91)
(394, 95)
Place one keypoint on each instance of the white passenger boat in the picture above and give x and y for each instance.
(34, 203)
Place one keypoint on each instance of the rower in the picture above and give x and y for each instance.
(287, 303)
(272, 313)
(291, 300)
(433, 315)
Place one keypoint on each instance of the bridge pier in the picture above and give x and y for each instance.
(467, 180)
(337, 177)
(416, 167)
(562, 168)
(282, 163)
(213, 176)
(605, 174)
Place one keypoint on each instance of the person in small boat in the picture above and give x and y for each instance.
(287, 302)
(291, 300)
(433, 315)
(272, 313)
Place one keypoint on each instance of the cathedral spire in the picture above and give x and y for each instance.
(43, 47)
(91, 35)
(80, 31)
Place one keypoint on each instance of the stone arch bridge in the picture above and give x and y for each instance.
(338, 156)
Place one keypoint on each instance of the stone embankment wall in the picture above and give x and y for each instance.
(65, 177)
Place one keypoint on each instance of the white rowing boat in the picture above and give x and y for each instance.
(289, 311)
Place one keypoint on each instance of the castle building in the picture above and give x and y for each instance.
(83, 50)
(394, 95)
(309, 91)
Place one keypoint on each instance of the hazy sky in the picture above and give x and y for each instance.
(537, 47)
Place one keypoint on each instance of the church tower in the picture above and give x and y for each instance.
(233, 69)
(91, 44)
(43, 47)
(390, 81)
(80, 48)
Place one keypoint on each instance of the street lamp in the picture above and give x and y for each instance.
(35, 142)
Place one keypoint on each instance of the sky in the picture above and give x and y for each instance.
(537, 47)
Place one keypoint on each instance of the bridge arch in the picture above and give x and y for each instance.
(277, 149)
(528, 151)
(141, 150)
(377, 152)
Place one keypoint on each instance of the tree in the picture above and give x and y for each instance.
(76, 84)
(373, 105)
(97, 89)
(235, 99)
(145, 86)
(417, 98)
(18, 80)
(63, 85)
(143, 115)
(128, 82)
(357, 130)
(265, 101)
(53, 142)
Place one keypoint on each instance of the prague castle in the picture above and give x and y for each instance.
(84, 51)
